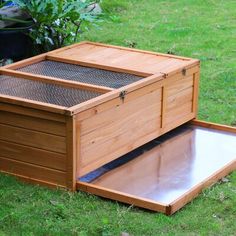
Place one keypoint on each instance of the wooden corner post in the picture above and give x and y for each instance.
(71, 153)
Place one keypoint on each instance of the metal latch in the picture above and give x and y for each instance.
(122, 95)
(184, 71)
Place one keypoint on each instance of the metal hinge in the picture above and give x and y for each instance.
(184, 71)
(122, 95)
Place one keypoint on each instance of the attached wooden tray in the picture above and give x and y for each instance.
(172, 172)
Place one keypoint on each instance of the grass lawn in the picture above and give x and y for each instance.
(203, 29)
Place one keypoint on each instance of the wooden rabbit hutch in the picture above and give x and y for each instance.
(69, 114)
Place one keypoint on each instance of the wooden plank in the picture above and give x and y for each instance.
(33, 138)
(180, 121)
(194, 192)
(71, 143)
(32, 123)
(179, 99)
(98, 65)
(54, 80)
(211, 125)
(122, 197)
(34, 104)
(29, 180)
(33, 155)
(179, 85)
(178, 112)
(31, 112)
(31, 171)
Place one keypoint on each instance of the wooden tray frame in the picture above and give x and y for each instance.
(176, 204)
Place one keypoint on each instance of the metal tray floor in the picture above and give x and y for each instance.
(170, 166)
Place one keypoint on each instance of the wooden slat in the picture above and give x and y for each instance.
(122, 197)
(178, 112)
(33, 155)
(98, 65)
(31, 112)
(54, 80)
(32, 171)
(177, 122)
(33, 104)
(32, 123)
(32, 138)
(179, 99)
(179, 85)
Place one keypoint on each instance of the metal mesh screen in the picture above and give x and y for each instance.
(43, 92)
(81, 74)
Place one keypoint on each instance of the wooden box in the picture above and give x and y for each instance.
(68, 112)
(46, 138)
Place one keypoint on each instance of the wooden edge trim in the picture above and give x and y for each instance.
(71, 153)
(67, 47)
(139, 50)
(188, 65)
(54, 80)
(115, 93)
(195, 191)
(196, 77)
(211, 125)
(122, 197)
(23, 63)
(33, 104)
(33, 181)
(163, 106)
(97, 65)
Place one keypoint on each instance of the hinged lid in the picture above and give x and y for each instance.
(139, 62)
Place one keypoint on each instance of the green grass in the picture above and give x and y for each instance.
(194, 28)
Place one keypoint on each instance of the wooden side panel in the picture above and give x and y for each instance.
(118, 130)
(179, 102)
(33, 147)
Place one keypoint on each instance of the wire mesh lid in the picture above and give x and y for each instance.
(81, 74)
(43, 92)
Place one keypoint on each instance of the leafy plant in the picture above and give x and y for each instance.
(57, 22)
(21, 23)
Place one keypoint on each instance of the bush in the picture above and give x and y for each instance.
(57, 22)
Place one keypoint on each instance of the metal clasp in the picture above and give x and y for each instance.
(122, 95)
